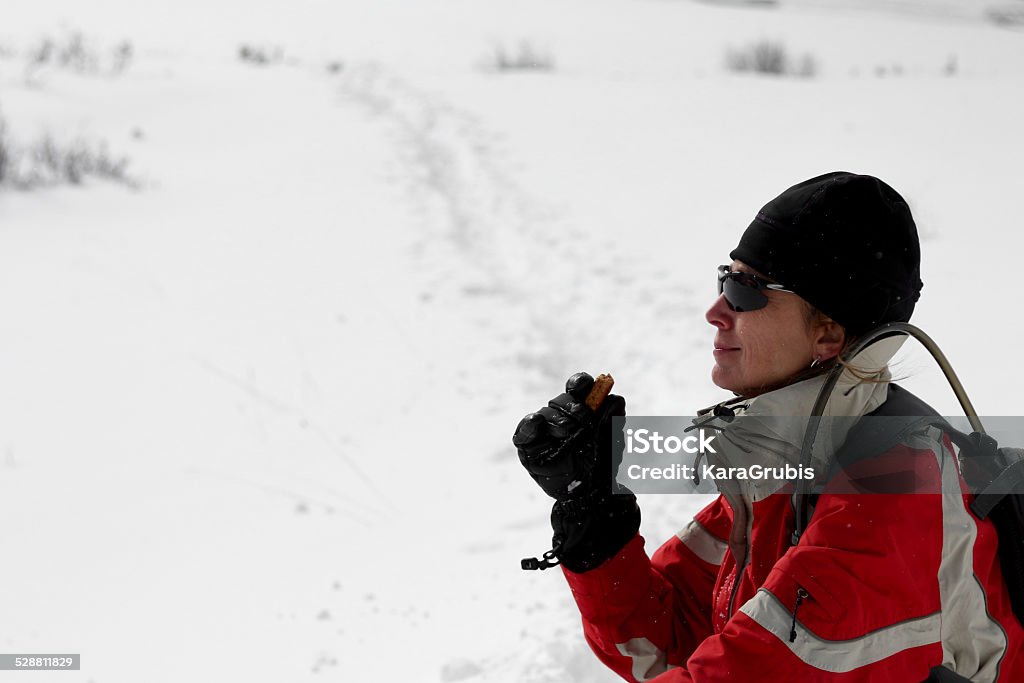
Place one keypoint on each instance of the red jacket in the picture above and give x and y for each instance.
(879, 588)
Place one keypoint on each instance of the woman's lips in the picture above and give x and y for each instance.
(724, 350)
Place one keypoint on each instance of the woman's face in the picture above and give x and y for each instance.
(759, 350)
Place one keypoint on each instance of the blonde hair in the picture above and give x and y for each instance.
(864, 375)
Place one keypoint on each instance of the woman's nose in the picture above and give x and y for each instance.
(720, 315)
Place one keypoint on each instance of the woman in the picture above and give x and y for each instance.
(876, 587)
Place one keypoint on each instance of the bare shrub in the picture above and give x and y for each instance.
(122, 55)
(525, 56)
(4, 152)
(48, 162)
(772, 58)
(1008, 16)
(260, 55)
(74, 52)
(808, 66)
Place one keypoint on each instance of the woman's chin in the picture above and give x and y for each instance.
(723, 378)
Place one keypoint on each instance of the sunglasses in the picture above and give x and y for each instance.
(745, 291)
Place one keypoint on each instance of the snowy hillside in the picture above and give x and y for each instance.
(255, 407)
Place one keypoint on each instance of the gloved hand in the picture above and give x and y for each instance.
(592, 530)
(569, 451)
(567, 447)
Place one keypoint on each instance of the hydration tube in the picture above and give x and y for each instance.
(803, 486)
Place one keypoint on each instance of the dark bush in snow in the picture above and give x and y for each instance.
(1011, 16)
(768, 57)
(525, 56)
(48, 162)
(74, 52)
(260, 55)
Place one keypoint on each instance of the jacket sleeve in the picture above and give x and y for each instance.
(642, 615)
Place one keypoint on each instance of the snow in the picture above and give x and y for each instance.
(255, 416)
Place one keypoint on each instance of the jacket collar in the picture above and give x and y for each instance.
(771, 427)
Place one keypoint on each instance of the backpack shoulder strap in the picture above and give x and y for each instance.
(900, 415)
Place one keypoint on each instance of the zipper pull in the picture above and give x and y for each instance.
(801, 595)
(530, 563)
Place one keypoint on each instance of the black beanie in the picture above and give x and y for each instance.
(846, 243)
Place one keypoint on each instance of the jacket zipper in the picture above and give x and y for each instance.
(801, 595)
(736, 587)
(747, 549)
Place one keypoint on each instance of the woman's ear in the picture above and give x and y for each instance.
(829, 338)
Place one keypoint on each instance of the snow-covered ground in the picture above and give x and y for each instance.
(255, 416)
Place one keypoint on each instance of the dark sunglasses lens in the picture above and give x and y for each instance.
(742, 294)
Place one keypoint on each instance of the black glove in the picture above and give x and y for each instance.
(567, 447)
(592, 530)
(570, 452)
